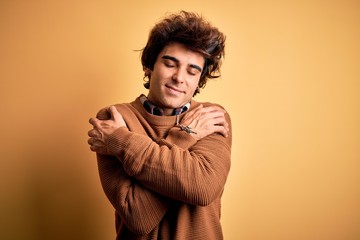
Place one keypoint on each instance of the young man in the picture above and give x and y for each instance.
(164, 158)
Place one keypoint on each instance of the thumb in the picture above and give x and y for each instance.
(114, 113)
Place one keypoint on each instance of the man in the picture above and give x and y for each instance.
(164, 158)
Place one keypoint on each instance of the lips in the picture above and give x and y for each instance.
(174, 89)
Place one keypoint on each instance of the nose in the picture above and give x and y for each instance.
(179, 76)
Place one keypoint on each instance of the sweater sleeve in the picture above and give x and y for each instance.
(178, 137)
(195, 174)
(140, 209)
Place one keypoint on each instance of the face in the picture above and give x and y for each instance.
(175, 76)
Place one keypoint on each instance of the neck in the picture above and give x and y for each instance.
(162, 111)
(168, 111)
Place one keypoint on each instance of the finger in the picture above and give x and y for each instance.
(224, 125)
(94, 142)
(94, 133)
(192, 120)
(209, 112)
(91, 133)
(219, 115)
(189, 117)
(91, 121)
(115, 115)
(220, 120)
(92, 148)
(95, 122)
(210, 118)
(221, 130)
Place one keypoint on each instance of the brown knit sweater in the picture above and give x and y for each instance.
(163, 183)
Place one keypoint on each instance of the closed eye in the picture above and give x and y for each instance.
(169, 64)
(192, 72)
(170, 61)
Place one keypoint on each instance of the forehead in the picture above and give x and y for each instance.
(182, 53)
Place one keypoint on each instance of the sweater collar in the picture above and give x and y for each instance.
(151, 108)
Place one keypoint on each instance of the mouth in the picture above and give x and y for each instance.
(174, 89)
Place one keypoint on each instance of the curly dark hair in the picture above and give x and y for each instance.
(196, 34)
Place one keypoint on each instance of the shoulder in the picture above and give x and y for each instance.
(104, 113)
(125, 109)
(195, 104)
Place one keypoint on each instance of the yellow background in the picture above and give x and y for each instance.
(291, 81)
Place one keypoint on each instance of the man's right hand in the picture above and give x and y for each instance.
(103, 128)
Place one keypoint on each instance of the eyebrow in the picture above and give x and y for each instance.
(177, 61)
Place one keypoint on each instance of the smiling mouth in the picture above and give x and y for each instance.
(174, 89)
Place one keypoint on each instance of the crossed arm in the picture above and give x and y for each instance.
(203, 121)
(130, 183)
